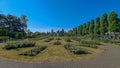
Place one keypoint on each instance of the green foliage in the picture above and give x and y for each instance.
(92, 44)
(97, 26)
(57, 43)
(34, 52)
(114, 25)
(104, 24)
(3, 38)
(111, 41)
(101, 26)
(11, 25)
(18, 44)
(91, 28)
(58, 38)
(84, 29)
(19, 35)
(76, 39)
(48, 39)
(68, 40)
(75, 50)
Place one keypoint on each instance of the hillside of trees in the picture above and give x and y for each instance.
(99, 26)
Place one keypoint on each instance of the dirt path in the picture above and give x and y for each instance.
(110, 59)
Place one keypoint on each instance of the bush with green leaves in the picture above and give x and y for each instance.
(92, 44)
(57, 43)
(58, 38)
(34, 52)
(68, 40)
(76, 50)
(18, 44)
(3, 38)
(76, 39)
(48, 39)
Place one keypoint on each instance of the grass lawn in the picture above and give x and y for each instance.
(53, 53)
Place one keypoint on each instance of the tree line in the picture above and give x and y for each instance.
(13, 26)
(99, 26)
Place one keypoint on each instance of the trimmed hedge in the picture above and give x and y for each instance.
(75, 50)
(34, 52)
(18, 44)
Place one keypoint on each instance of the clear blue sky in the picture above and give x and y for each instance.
(45, 15)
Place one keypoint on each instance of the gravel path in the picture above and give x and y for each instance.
(110, 59)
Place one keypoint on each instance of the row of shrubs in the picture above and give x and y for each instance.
(18, 44)
(76, 50)
(48, 39)
(110, 41)
(92, 44)
(34, 52)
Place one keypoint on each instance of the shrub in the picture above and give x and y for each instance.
(3, 38)
(76, 39)
(68, 40)
(57, 43)
(88, 45)
(92, 44)
(58, 38)
(34, 52)
(75, 50)
(18, 44)
(48, 39)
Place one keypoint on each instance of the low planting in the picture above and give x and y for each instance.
(57, 43)
(34, 52)
(18, 44)
(48, 39)
(110, 41)
(58, 38)
(76, 39)
(68, 40)
(92, 44)
(76, 50)
(3, 38)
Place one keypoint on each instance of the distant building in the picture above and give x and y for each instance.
(113, 35)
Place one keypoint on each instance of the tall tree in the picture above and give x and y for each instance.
(87, 28)
(24, 22)
(97, 26)
(62, 32)
(84, 29)
(91, 27)
(104, 24)
(113, 22)
(75, 31)
(80, 29)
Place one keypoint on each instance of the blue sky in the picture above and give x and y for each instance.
(44, 15)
